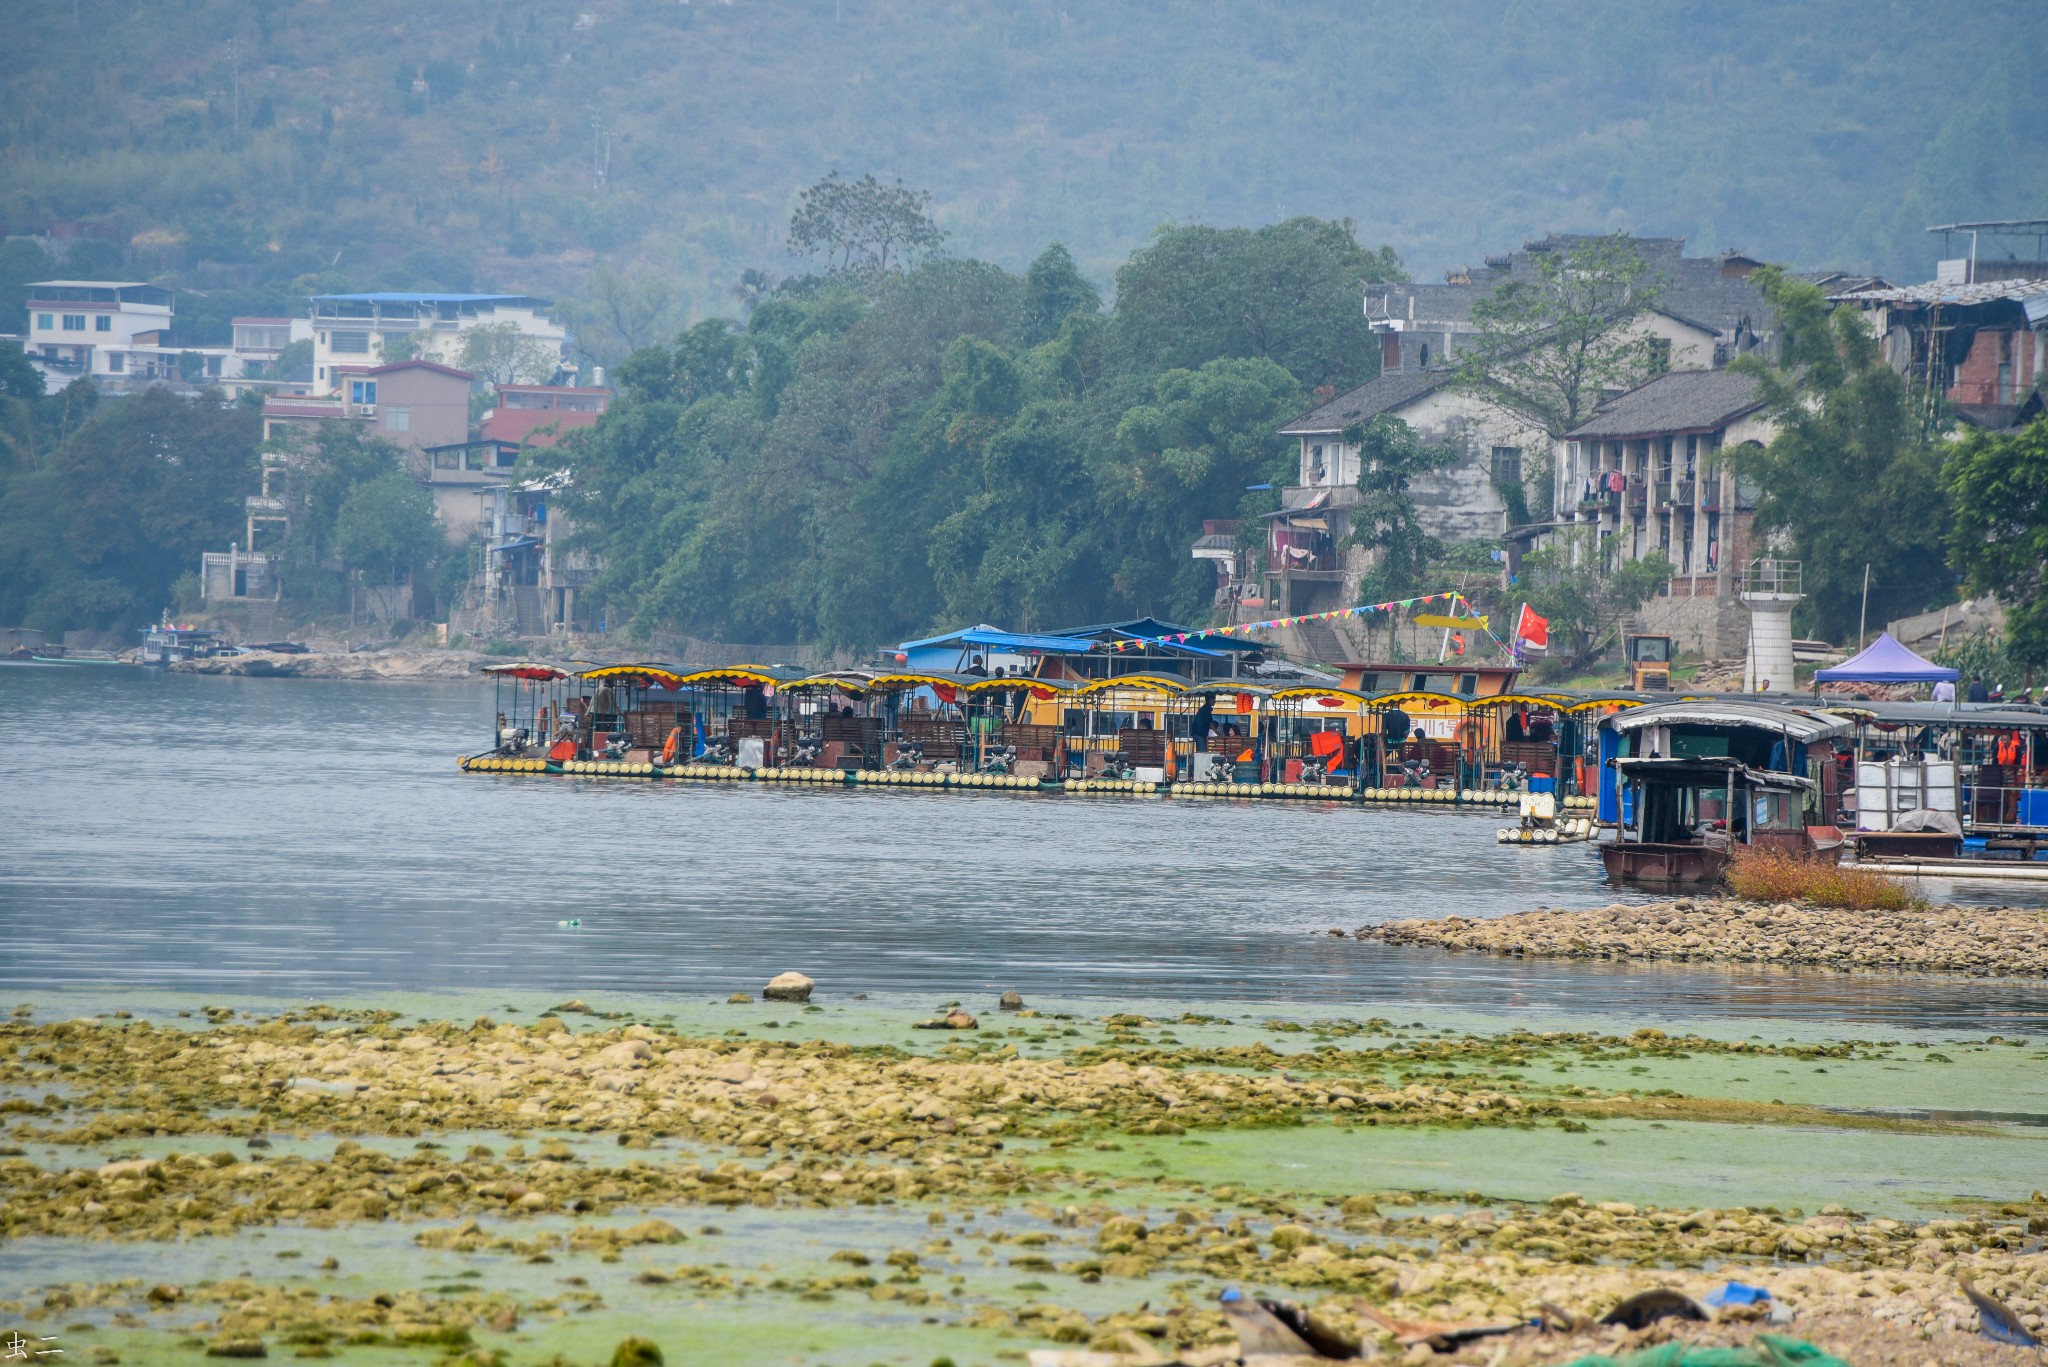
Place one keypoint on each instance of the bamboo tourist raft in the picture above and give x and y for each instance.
(1667, 787)
(1142, 733)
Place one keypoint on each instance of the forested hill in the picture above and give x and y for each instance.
(389, 142)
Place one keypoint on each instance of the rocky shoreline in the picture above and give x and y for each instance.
(1981, 941)
(406, 666)
(624, 1152)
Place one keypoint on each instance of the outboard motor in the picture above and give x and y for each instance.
(908, 757)
(808, 748)
(1001, 761)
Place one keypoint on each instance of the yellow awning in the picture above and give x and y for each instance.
(1138, 683)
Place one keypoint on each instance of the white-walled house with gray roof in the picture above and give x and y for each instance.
(1707, 311)
(1308, 569)
(1655, 469)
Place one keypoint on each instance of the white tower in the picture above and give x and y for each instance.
(1771, 588)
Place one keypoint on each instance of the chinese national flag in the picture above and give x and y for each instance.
(1533, 629)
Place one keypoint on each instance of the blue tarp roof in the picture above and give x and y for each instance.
(991, 639)
(1885, 661)
(392, 297)
(1077, 640)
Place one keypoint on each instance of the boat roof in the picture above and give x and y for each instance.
(1021, 642)
(1964, 716)
(1801, 724)
(531, 669)
(1144, 683)
(697, 676)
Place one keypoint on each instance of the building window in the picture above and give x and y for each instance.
(1660, 354)
(361, 391)
(448, 460)
(103, 323)
(505, 457)
(398, 419)
(74, 322)
(352, 343)
(1507, 465)
(1468, 683)
(46, 321)
(116, 362)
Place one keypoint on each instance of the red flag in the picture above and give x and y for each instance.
(1533, 629)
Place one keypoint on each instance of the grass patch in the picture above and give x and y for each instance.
(1774, 876)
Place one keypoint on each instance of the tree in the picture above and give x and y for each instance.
(1547, 346)
(1853, 477)
(104, 506)
(863, 227)
(1055, 290)
(615, 315)
(403, 346)
(1999, 485)
(1587, 592)
(1390, 457)
(501, 354)
(1288, 293)
(387, 523)
(21, 263)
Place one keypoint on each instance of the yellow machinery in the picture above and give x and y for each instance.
(1649, 661)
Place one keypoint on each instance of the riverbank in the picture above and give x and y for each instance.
(829, 1183)
(1981, 941)
(403, 666)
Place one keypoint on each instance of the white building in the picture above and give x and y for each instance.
(365, 329)
(116, 332)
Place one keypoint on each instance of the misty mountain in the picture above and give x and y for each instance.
(514, 143)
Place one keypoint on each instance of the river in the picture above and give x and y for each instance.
(294, 839)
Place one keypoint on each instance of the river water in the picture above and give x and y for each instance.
(293, 839)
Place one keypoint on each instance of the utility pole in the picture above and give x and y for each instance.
(600, 150)
(235, 59)
(1863, 617)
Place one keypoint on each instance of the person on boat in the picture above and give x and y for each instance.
(976, 667)
(1945, 691)
(1978, 692)
(606, 702)
(1202, 723)
(754, 702)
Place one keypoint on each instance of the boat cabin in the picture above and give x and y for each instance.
(1686, 784)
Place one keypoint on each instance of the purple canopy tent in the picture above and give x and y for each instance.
(1885, 661)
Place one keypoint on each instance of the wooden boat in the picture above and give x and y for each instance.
(83, 657)
(1687, 784)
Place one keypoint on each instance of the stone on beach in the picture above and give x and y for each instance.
(788, 987)
(1011, 1001)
